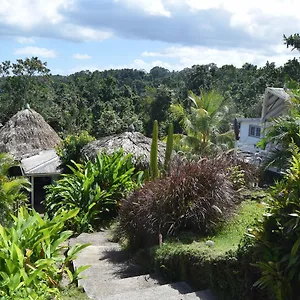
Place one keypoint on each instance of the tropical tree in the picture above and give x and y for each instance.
(12, 190)
(202, 124)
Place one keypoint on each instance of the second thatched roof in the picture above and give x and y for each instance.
(26, 134)
(131, 142)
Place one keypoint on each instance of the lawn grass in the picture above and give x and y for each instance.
(227, 239)
(73, 292)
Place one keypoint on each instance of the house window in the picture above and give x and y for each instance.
(254, 131)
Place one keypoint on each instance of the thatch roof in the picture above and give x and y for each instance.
(26, 134)
(131, 142)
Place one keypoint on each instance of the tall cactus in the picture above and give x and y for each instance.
(169, 147)
(154, 152)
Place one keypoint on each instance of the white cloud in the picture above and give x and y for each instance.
(85, 33)
(255, 15)
(152, 7)
(25, 40)
(188, 56)
(81, 56)
(47, 19)
(29, 13)
(35, 51)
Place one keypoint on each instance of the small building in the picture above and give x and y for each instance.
(250, 134)
(32, 141)
(252, 130)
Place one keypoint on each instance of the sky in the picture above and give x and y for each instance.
(75, 35)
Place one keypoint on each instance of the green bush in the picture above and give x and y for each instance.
(195, 196)
(70, 148)
(224, 267)
(13, 191)
(95, 188)
(32, 262)
(279, 236)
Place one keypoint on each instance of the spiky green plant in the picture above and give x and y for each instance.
(154, 151)
(169, 148)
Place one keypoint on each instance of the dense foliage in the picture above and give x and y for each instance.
(70, 149)
(13, 191)
(32, 263)
(202, 124)
(95, 189)
(194, 196)
(107, 102)
(279, 236)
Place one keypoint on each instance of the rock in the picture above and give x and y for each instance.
(209, 243)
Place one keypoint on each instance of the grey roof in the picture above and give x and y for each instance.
(44, 163)
(275, 103)
(280, 92)
(248, 119)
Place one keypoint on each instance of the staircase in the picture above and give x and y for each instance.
(112, 277)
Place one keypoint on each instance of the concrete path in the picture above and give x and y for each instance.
(113, 277)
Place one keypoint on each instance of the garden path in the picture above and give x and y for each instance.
(113, 277)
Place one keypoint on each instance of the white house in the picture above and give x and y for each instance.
(252, 130)
(250, 134)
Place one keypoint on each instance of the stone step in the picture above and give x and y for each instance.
(96, 238)
(160, 292)
(113, 277)
(106, 263)
(200, 295)
(101, 289)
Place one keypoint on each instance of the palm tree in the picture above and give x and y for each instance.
(201, 125)
(12, 190)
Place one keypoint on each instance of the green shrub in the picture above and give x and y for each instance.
(224, 267)
(195, 196)
(31, 256)
(70, 148)
(94, 188)
(13, 191)
(279, 237)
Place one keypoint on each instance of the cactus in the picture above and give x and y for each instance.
(169, 148)
(154, 152)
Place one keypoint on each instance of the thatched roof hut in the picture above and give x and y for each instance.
(26, 134)
(131, 142)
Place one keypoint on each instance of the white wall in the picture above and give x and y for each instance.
(247, 142)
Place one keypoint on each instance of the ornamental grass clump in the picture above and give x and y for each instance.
(195, 196)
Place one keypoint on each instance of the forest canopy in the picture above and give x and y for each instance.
(107, 102)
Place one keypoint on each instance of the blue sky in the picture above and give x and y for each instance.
(74, 35)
